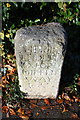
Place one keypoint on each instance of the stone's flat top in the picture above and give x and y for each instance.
(39, 55)
(54, 30)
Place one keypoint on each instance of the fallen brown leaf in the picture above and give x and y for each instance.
(28, 112)
(47, 101)
(76, 99)
(62, 95)
(33, 105)
(67, 102)
(74, 116)
(43, 107)
(64, 110)
(65, 96)
(47, 113)
(33, 101)
(72, 100)
(9, 67)
(1, 85)
(5, 109)
(24, 117)
(11, 111)
(60, 101)
(21, 111)
(4, 77)
(37, 114)
(13, 70)
(5, 82)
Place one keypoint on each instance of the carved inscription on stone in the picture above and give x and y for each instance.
(39, 56)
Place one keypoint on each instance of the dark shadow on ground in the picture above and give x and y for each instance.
(71, 64)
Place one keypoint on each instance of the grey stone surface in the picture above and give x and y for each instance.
(40, 53)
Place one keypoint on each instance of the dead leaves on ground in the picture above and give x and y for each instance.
(24, 117)
(21, 111)
(60, 101)
(46, 107)
(10, 71)
(37, 114)
(5, 109)
(74, 116)
(26, 112)
(21, 114)
(33, 105)
(47, 101)
(10, 112)
(65, 96)
(76, 99)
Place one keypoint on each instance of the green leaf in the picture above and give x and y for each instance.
(43, 4)
(37, 20)
(15, 3)
(12, 26)
(77, 10)
(22, 22)
(60, 5)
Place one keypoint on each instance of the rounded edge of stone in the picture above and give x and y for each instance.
(21, 30)
(24, 29)
(54, 23)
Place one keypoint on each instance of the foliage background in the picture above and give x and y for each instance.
(16, 15)
(21, 14)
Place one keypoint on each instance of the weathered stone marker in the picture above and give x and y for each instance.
(39, 56)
